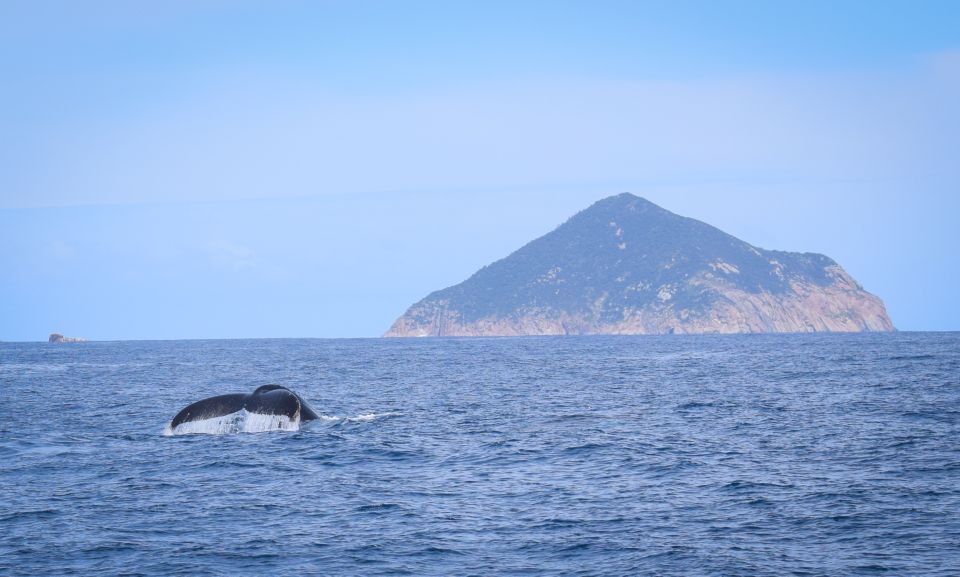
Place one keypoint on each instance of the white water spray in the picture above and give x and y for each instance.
(240, 422)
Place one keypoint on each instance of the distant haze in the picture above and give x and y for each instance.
(310, 169)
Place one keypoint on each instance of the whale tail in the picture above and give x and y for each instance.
(275, 400)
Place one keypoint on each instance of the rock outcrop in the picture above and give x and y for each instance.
(58, 338)
(627, 266)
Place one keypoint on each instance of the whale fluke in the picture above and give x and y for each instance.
(265, 400)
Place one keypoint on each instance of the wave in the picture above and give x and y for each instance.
(241, 421)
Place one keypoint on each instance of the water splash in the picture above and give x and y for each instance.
(245, 422)
(361, 418)
(241, 421)
(370, 417)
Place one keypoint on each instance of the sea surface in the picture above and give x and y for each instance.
(681, 455)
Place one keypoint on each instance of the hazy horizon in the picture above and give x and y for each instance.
(232, 170)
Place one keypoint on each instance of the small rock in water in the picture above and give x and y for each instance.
(58, 338)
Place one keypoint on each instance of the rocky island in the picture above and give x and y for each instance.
(58, 338)
(626, 266)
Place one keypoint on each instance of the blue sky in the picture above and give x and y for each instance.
(255, 169)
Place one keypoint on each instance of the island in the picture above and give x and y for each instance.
(627, 266)
(58, 338)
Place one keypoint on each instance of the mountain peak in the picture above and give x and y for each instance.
(626, 265)
(625, 201)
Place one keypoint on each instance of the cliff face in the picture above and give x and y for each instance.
(627, 266)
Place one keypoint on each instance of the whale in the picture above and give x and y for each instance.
(264, 400)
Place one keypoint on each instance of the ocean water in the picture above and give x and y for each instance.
(725, 455)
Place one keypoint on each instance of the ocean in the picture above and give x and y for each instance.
(608, 455)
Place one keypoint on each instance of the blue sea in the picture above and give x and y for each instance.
(681, 455)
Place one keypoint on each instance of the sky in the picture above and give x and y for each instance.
(310, 169)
